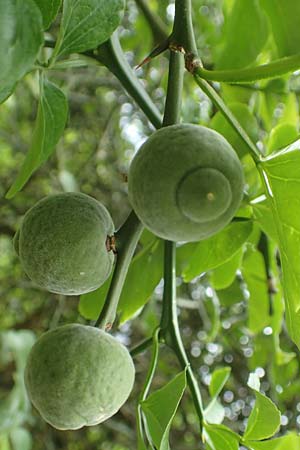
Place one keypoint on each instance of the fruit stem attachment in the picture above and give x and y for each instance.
(126, 240)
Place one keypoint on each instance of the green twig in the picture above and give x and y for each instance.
(111, 55)
(183, 34)
(219, 103)
(141, 347)
(170, 327)
(248, 75)
(174, 90)
(126, 240)
(169, 322)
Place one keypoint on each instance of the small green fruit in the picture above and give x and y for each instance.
(77, 376)
(185, 183)
(62, 243)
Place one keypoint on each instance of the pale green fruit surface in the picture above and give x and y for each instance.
(185, 183)
(62, 243)
(77, 376)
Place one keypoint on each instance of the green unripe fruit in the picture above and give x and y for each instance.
(62, 243)
(77, 376)
(185, 182)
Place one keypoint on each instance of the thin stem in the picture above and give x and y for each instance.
(111, 55)
(219, 103)
(157, 26)
(146, 387)
(170, 326)
(141, 347)
(270, 70)
(126, 240)
(263, 247)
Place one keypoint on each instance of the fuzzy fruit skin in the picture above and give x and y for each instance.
(185, 183)
(62, 243)
(77, 375)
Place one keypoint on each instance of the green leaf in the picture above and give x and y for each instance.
(217, 250)
(245, 34)
(284, 18)
(264, 420)
(21, 35)
(50, 122)
(282, 175)
(220, 437)
(281, 136)
(214, 412)
(87, 23)
(247, 121)
(138, 286)
(218, 380)
(231, 295)
(254, 273)
(20, 439)
(160, 409)
(289, 441)
(91, 304)
(223, 276)
(4, 442)
(262, 213)
(49, 10)
(15, 407)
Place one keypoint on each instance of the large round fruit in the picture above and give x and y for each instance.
(62, 243)
(185, 182)
(77, 376)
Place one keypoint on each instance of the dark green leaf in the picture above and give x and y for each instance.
(264, 420)
(87, 23)
(218, 380)
(49, 10)
(254, 273)
(231, 295)
(160, 409)
(15, 406)
(20, 439)
(220, 437)
(284, 18)
(50, 122)
(21, 35)
(138, 286)
(247, 121)
(282, 174)
(288, 442)
(224, 275)
(263, 215)
(281, 136)
(245, 34)
(91, 304)
(217, 249)
(214, 412)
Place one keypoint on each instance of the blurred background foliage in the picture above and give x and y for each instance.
(230, 317)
